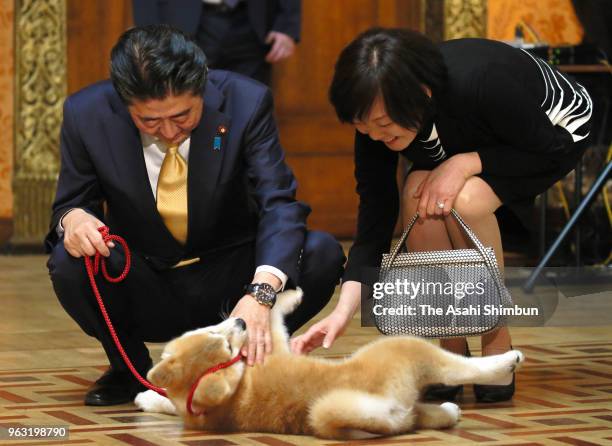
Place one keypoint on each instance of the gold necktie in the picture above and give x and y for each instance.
(172, 193)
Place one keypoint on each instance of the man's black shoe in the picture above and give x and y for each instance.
(113, 387)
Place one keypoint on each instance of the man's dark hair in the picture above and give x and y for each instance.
(154, 61)
(393, 63)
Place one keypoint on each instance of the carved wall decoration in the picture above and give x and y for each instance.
(465, 18)
(40, 81)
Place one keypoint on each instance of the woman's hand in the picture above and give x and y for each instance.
(257, 318)
(323, 333)
(326, 331)
(444, 183)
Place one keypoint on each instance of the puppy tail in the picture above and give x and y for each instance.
(288, 301)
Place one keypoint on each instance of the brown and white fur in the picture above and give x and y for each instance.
(372, 393)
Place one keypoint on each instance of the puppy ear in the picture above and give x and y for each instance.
(212, 390)
(165, 373)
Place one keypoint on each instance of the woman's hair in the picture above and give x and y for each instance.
(393, 63)
(154, 61)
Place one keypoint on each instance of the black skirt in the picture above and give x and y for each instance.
(519, 192)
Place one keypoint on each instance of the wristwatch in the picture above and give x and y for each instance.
(262, 292)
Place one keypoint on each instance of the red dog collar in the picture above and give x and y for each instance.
(213, 369)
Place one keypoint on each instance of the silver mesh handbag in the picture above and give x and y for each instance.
(440, 294)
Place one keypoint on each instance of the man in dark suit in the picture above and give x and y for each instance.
(244, 36)
(186, 165)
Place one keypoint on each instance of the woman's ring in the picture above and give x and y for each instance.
(440, 204)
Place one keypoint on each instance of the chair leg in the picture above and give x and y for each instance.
(577, 199)
(543, 207)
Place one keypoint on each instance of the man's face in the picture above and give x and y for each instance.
(170, 119)
(378, 126)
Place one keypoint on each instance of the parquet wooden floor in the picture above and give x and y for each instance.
(564, 392)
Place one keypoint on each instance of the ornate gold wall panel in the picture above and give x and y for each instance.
(40, 43)
(465, 18)
(7, 72)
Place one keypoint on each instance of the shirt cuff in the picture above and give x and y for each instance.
(59, 228)
(277, 272)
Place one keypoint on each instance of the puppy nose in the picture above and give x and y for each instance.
(241, 323)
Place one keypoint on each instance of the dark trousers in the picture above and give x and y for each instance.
(230, 43)
(156, 306)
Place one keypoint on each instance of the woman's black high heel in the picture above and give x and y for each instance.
(440, 392)
(494, 393)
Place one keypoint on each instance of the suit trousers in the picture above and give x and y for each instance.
(156, 306)
(230, 43)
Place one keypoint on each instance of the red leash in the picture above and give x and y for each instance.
(92, 271)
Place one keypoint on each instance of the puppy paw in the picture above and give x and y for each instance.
(498, 369)
(512, 360)
(151, 401)
(520, 358)
(453, 411)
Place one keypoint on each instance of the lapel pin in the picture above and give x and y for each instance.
(217, 143)
(221, 130)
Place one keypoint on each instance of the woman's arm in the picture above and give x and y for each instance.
(376, 176)
(375, 172)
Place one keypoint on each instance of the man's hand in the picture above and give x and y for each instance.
(81, 235)
(257, 318)
(283, 46)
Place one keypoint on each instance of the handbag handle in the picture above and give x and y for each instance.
(486, 255)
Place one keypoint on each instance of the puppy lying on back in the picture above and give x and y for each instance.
(373, 393)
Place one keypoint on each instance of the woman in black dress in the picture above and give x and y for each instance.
(484, 124)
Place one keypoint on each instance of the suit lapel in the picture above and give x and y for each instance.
(205, 165)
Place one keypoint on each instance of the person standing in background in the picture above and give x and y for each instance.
(236, 35)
